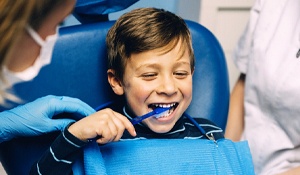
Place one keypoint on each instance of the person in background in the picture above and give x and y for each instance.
(151, 64)
(28, 32)
(264, 105)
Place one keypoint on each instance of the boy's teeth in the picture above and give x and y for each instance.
(164, 105)
(165, 114)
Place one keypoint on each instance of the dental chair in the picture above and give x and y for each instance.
(78, 69)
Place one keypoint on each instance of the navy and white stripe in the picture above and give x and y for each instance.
(58, 159)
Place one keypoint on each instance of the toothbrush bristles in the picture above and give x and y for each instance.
(161, 112)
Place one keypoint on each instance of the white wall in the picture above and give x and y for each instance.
(227, 20)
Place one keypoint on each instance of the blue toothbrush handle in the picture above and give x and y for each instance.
(137, 120)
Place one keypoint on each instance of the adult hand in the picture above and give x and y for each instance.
(35, 118)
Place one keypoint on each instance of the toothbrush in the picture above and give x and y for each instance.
(153, 113)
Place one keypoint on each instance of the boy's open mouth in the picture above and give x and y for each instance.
(172, 107)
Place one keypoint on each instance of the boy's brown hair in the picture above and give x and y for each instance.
(145, 29)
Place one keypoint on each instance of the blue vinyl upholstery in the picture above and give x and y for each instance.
(78, 69)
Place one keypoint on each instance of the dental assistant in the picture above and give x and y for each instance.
(264, 106)
(28, 32)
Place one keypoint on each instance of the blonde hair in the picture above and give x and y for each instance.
(14, 16)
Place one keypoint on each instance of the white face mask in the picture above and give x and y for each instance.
(43, 59)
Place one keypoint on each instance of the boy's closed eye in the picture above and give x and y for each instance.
(149, 76)
(181, 74)
(177, 74)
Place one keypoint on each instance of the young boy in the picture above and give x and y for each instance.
(151, 63)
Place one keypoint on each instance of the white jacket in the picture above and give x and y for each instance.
(266, 53)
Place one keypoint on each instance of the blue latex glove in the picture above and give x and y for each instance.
(35, 118)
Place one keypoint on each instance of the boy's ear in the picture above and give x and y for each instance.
(193, 70)
(114, 82)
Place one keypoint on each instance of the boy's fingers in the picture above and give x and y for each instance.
(113, 131)
(131, 130)
(105, 136)
(128, 125)
(120, 127)
(115, 127)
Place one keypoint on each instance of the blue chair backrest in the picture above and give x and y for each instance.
(78, 69)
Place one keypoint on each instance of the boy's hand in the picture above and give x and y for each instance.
(105, 125)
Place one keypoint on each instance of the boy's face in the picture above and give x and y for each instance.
(154, 77)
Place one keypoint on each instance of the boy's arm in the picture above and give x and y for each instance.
(104, 126)
(235, 121)
(58, 159)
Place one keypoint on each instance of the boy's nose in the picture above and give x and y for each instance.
(167, 86)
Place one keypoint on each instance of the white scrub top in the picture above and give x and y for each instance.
(266, 53)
